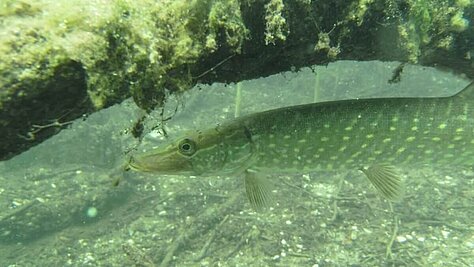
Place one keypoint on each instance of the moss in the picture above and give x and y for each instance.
(145, 48)
(17, 8)
(126, 48)
(359, 10)
(458, 22)
(431, 24)
(324, 45)
(276, 28)
(463, 3)
(161, 40)
(173, 35)
(226, 16)
(38, 38)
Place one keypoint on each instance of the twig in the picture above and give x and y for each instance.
(298, 255)
(339, 188)
(251, 235)
(444, 223)
(136, 255)
(205, 248)
(238, 100)
(317, 86)
(35, 128)
(173, 247)
(213, 68)
(388, 251)
(242, 241)
(190, 229)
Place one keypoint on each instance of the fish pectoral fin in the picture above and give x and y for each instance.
(258, 190)
(385, 179)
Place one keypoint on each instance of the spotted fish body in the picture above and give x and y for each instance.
(349, 134)
(355, 133)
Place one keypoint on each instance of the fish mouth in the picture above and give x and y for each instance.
(142, 164)
(165, 165)
(133, 164)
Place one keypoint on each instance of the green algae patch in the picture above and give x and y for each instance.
(126, 48)
(422, 25)
(143, 49)
(164, 40)
(276, 28)
(431, 24)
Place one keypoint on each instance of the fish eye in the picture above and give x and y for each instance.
(187, 147)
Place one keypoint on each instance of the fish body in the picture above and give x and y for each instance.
(377, 136)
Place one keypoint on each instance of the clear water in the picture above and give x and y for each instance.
(60, 208)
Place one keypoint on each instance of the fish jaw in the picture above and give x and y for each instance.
(161, 161)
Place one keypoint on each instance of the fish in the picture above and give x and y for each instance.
(378, 136)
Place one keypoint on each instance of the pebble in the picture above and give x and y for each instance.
(401, 239)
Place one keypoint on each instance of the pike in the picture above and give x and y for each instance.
(377, 136)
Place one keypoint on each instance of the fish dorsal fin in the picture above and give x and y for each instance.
(466, 93)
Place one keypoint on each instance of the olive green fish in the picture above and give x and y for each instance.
(377, 136)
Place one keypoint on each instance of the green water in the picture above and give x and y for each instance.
(60, 208)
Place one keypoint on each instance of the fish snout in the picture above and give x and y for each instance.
(132, 164)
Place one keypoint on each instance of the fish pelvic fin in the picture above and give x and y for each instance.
(258, 190)
(385, 179)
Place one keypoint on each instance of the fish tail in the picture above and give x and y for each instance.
(467, 93)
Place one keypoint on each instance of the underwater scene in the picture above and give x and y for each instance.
(212, 181)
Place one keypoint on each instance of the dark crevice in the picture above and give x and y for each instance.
(31, 119)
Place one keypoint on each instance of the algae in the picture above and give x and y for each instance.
(143, 49)
(431, 24)
(276, 28)
(125, 47)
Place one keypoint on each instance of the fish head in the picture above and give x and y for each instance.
(211, 152)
